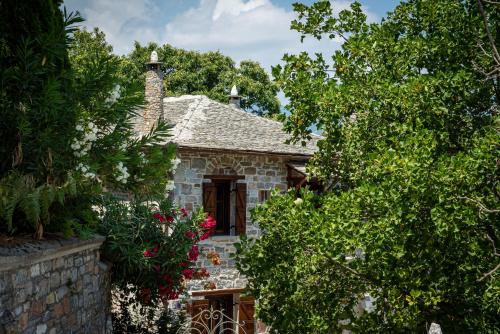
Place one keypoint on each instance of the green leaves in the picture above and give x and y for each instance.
(411, 144)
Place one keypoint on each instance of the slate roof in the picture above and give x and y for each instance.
(206, 124)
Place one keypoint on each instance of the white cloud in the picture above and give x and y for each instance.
(253, 29)
(122, 22)
(242, 29)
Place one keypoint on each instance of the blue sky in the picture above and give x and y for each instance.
(242, 29)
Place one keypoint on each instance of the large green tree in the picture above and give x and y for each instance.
(411, 220)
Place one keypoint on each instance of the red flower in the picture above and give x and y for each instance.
(170, 219)
(188, 273)
(190, 234)
(159, 216)
(167, 293)
(155, 249)
(183, 264)
(148, 253)
(193, 253)
(205, 235)
(184, 212)
(157, 268)
(208, 223)
(166, 278)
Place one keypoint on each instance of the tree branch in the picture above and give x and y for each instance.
(496, 56)
(489, 273)
(479, 204)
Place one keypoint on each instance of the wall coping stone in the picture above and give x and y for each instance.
(35, 251)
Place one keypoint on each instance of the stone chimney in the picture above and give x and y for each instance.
(234, 98)
(153, 110)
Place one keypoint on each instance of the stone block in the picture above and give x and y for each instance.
(51, 298)
(35, 270)
(66, 305)
(250, 171)
(23, 321)
(62, 292)
(55, 280)
(20, 296)
(41, 329)
(18, 310)
(58, 263)
(45, 267)
(37, 307)
(59, 309)
(186, 189)
(198, 163)
(20, 276)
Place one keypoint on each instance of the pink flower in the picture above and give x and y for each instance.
(208, 223)
(155, 249)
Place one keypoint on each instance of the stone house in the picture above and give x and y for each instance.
(229, 161)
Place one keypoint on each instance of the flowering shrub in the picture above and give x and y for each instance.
(153, 247)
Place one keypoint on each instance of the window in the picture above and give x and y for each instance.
(225, 200)
(222, 216)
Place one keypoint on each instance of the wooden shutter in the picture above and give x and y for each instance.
(199, 323)
(246, 309)
(210, 199)
(241, 208)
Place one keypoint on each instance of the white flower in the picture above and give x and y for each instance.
(114, 95)
(169, 186)
(298, 201)
(75, 146)
(122, 174)
(175, 163)
(79, 128)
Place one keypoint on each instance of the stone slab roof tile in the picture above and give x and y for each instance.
(206, 124)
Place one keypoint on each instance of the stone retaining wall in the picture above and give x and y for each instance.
(54, 286)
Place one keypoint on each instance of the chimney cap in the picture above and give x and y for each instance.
(234, 92)
(153, 59)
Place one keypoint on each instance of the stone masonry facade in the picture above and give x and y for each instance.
(261, 173)
(56, 286)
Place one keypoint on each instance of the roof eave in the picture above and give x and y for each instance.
(226, 150)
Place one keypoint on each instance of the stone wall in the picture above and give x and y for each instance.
(262, 172)
(54, 286)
